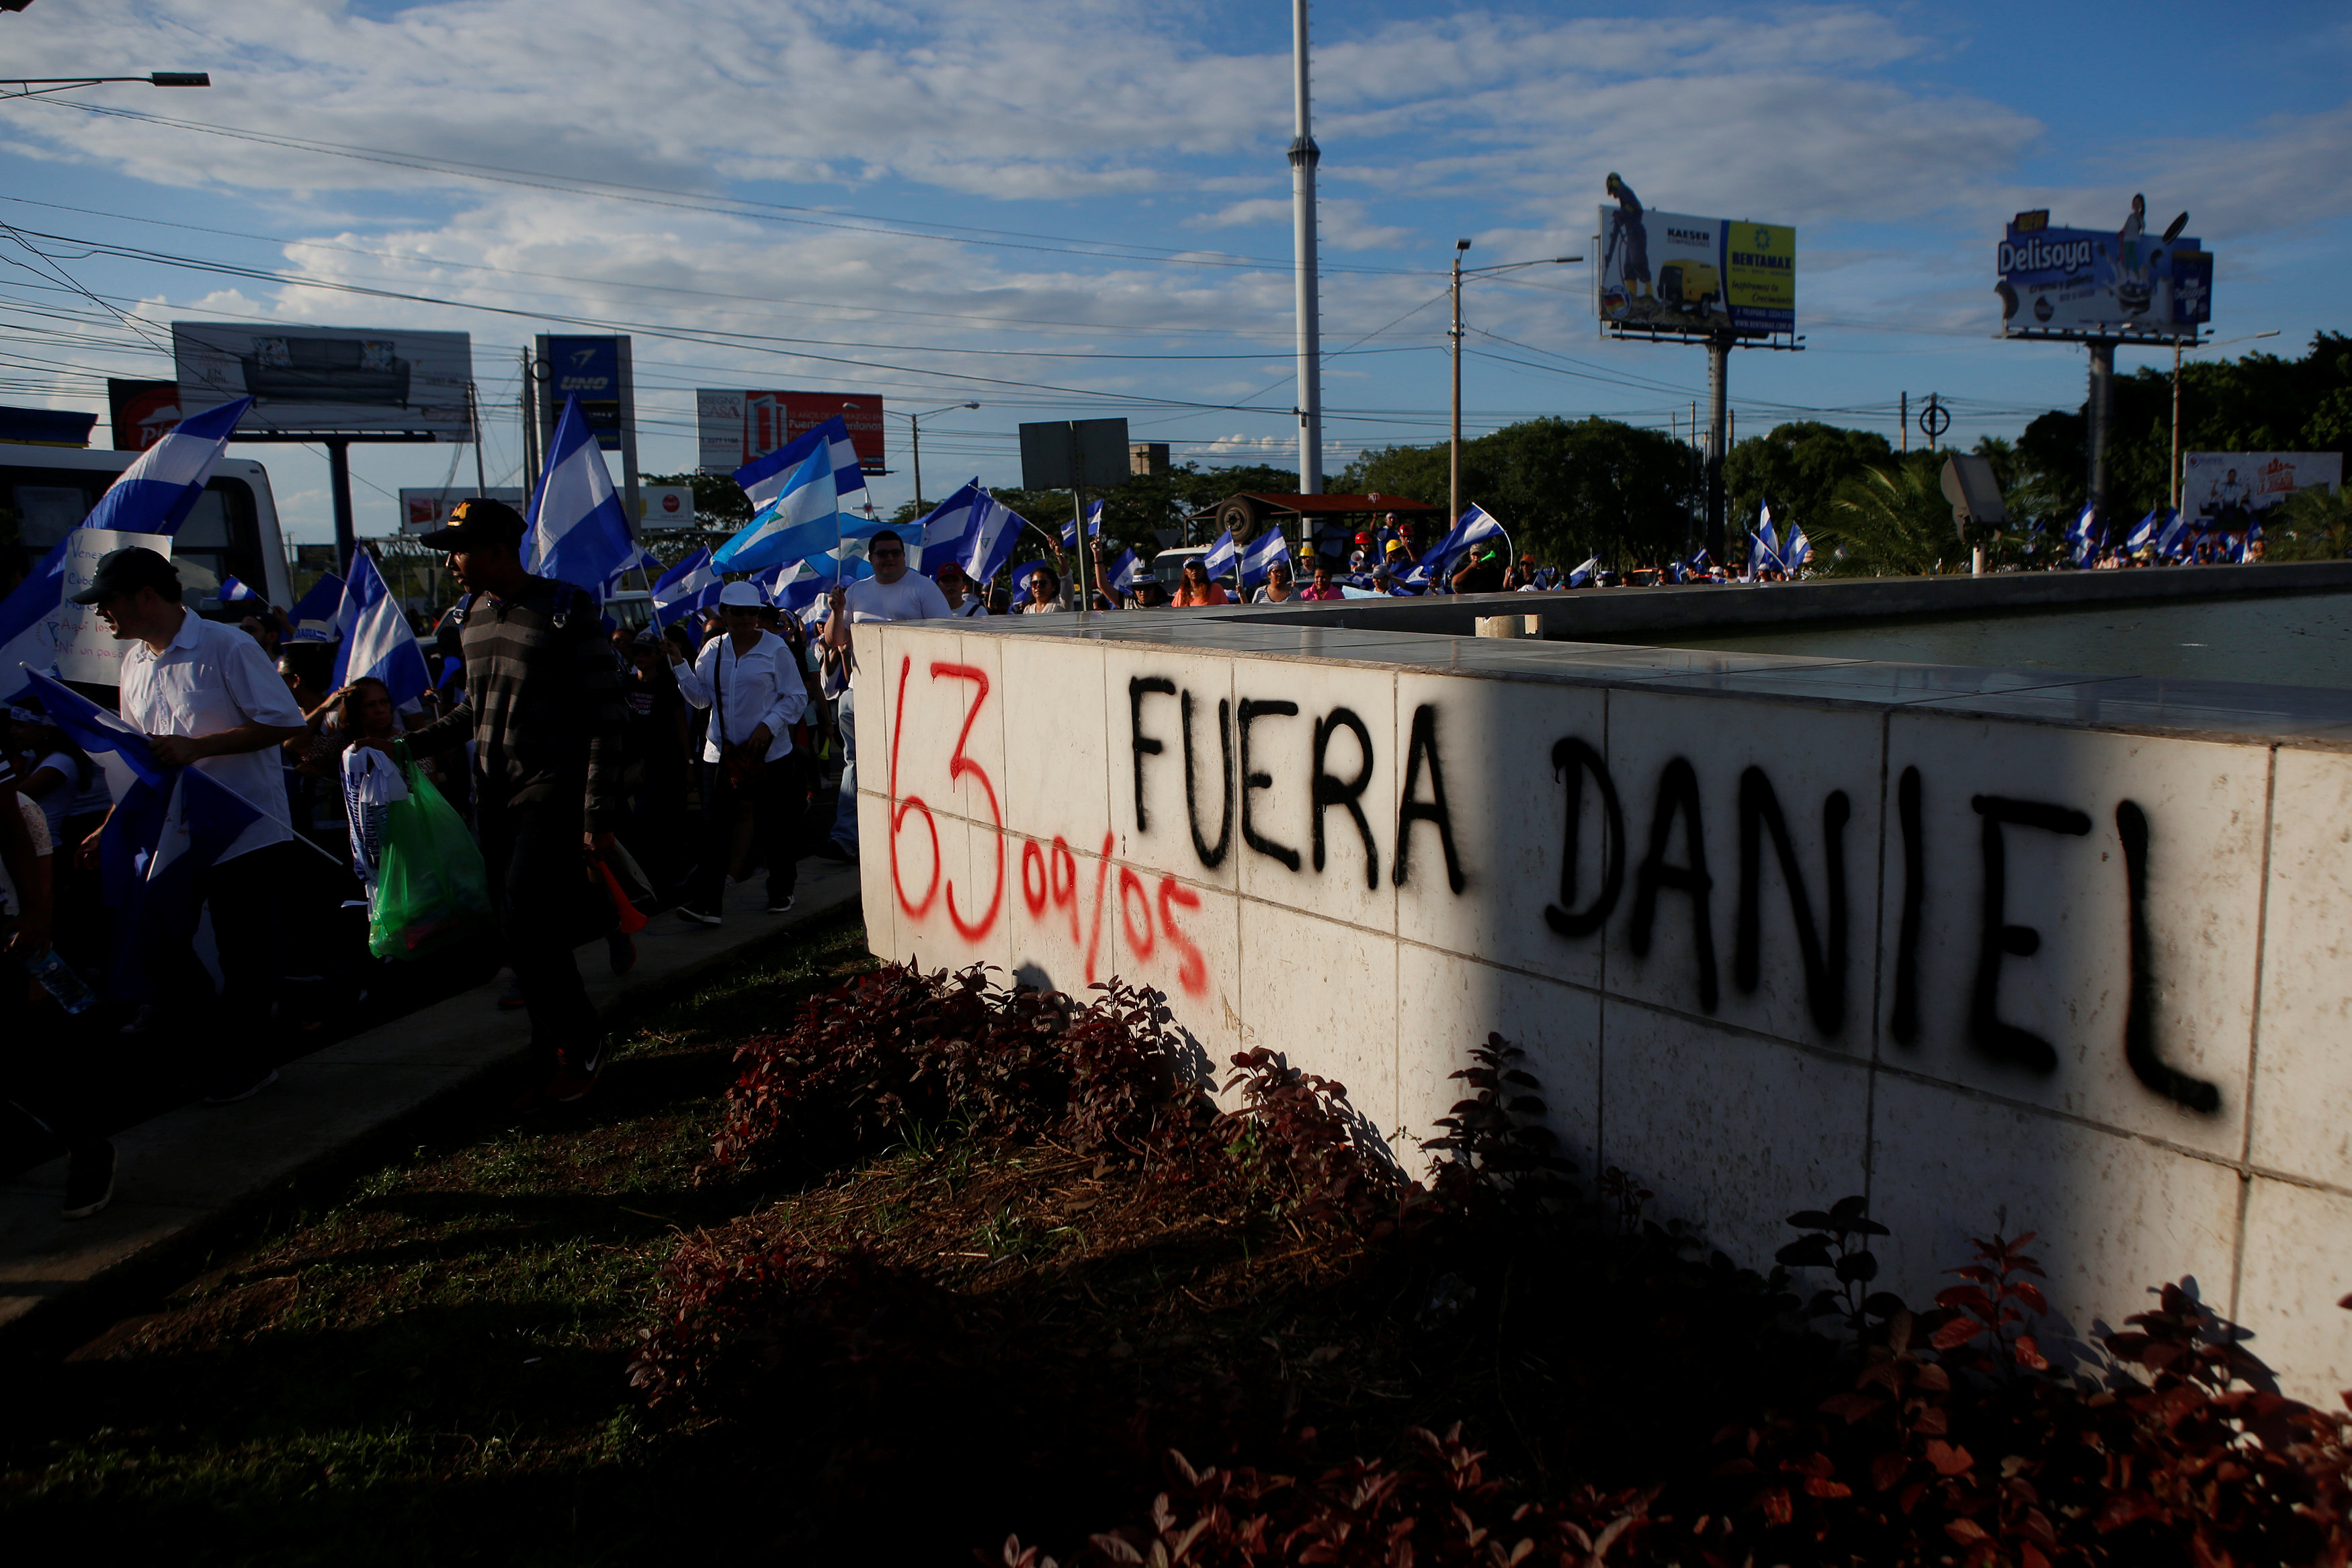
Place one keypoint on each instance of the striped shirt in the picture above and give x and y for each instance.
(543, 705)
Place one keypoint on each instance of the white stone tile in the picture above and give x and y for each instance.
(1446, 1007)
(929, 852)
(1057, 775)
(2111, 1214)
(1732, 1132)
(1174, 838)
(1184, 941)
(1275, 824)
(2203, 804)
(1324, 995)
(1507, 806)
(2302, 1073)
(1808, 757)
(878, 906)
(2290, 1277)
(1062, 928)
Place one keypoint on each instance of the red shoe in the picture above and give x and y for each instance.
(574, 1084)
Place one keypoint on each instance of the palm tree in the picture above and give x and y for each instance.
(2318, 526)
(1887, 523)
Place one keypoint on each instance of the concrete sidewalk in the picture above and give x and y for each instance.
(182, 1174)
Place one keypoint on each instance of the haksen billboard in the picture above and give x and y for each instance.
(2096, 283)
(1674, 272)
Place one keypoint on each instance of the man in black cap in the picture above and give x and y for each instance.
(545, 712)
(206, 696)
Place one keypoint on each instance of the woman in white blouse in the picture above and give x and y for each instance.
(748, 680)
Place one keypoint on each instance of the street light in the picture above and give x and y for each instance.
(915, 438)
(31, 87)
(2225, 342)
(1453, 486)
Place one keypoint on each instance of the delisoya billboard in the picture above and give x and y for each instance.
(2228, 490)
(736, 426)
(1675, 272)
(328, 380)
(2101, 283)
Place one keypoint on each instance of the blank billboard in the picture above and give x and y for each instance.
(328, 380)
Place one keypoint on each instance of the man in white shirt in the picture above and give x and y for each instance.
(892, 593)
(752, 686)
(206, 695)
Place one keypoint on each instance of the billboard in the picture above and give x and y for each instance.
(1673, 272)
(589, 369)
(665, 506)
(421, 511)
(143, 412)
(2226, 491)
(328, 380)
(2100, 283)
(736, 426)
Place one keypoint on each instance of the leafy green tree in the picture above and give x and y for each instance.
(1566, 490)
(1891, 521)
(1799, 468)
(2318, 527)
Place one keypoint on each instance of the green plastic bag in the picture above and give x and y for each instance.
(431, 887)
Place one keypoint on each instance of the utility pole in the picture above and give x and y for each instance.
(1903, 425)
(1718, 370)
(2175, 502)
(474, 412)
(1304, 156)
(2101, 409)
(1454, 488)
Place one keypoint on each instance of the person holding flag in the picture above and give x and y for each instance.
(892, 593)
(206, 696)
(544, 710)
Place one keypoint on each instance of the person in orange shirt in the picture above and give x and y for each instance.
(1197, 590)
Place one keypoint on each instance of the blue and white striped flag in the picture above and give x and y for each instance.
(232, 592)
(2144, 532)
(765, 478)
(376, 638)
(802, 518)
(1223, 556)
(31, 629)
(314, 615)
(1476, 526)
(940, 536)
(579, 531)
(2172, 539)
(2082, 537)
(692, 584)
(155, 494)
(1796, 550)
(1021, 576)
(972, 529)
(1128, 573)
(1259, 559)
(1093, 527)
(1583, 574)
(1764, 547)
(644, 559)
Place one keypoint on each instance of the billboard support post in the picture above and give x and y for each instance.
(2174, 467)
(339, 481)
(2100, 410)
(1718, 404)
(1304, 156)
(474, 409)
(633, 507)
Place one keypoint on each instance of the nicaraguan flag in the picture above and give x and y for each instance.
(1128, 573)
(692, 584)
(765, 478)
(376, 638)
(232, 592)
(1477, 525)
(2172, 539)
(579, 531)
(1223, 556)
(315, 615)
(805, 582)
(1766, 552)
(1583, 574)
(940, 534)
(2083, 537)
(644, 559)
(31, 623)
(156, 494)
(1259, 559)
(2144, 532)
(199, 820)
(1796, 550)
(1021, 576)
(802, 520)
(1093, 527)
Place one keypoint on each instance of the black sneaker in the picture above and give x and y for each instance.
(781, 906)
(693, 916)
(242, 1086)
(89, 1181)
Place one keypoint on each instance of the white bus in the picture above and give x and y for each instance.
(233, 530)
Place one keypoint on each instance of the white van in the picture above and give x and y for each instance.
(233, 530)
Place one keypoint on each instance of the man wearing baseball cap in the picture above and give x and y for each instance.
(206, 696)
(544, 710)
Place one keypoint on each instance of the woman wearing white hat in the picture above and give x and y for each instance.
(746, 679)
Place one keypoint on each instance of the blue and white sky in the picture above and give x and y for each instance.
(1080, 207)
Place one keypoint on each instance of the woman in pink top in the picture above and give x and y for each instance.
(1323, 587)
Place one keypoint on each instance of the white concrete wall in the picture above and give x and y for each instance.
(1000, 821)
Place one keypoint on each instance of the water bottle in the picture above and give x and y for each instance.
(61, 982)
